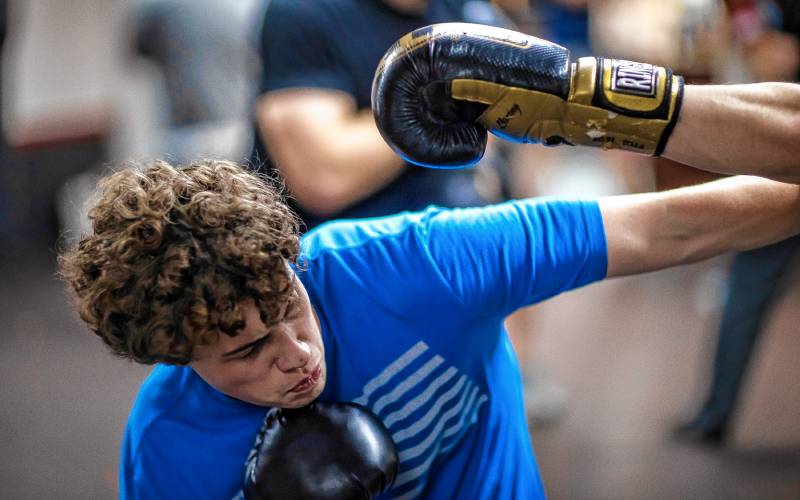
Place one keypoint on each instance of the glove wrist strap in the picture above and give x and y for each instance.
(641, 103)
(600, 109)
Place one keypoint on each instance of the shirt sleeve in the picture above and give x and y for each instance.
(149, 474)
(298, 50)
(176, 460)
(499, 258)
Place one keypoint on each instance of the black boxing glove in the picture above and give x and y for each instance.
(439, 89)
(324, 451)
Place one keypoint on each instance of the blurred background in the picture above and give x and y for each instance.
(676, 384)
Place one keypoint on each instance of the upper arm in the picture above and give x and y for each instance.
(304, 90)
(300, 120)
(329, 152)
(295, 125)
(301, 115)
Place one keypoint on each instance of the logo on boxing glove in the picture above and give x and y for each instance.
(634, 78)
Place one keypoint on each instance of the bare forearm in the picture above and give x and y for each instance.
(740, 129)
(657, 230)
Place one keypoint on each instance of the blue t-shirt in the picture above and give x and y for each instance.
(411, 309)
(336, 45)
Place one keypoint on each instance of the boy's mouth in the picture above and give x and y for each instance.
(308, 382)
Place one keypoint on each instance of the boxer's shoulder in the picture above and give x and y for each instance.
(161, 391)
(345, 236)
(171, 391)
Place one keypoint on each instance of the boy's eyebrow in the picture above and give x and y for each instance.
(244, 347)
(288, 306)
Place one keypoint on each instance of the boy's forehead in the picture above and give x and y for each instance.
(225, 343)
(275, 311)
(287, 303)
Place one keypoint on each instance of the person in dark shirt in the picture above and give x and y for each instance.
(314, 123)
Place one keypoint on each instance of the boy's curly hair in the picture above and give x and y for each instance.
(172, 253)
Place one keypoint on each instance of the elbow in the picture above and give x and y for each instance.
(320, 193)
(321, 197)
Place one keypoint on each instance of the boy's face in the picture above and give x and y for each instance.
(282, 365)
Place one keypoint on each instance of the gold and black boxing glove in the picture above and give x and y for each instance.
(439, 89)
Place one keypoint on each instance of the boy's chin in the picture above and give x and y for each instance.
(300, 402)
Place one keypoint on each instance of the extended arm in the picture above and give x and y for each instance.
(740, 129)
(528, 90)
(330, 154)
(647, 232)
